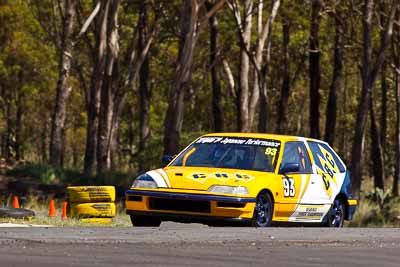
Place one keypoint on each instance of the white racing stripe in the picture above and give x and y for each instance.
(303, 183)
(165, 176)
(157, 178)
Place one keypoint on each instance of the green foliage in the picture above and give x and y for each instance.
(42, 172)
(29, 50)
(377, 208)
(46, 174)
(385, 201)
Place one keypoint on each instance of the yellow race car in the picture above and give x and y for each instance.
(255, 179)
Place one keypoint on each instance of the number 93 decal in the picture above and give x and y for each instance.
(289, 189)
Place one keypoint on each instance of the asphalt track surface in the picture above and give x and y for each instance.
(196, 245)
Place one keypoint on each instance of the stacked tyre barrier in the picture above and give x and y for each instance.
(92, 204)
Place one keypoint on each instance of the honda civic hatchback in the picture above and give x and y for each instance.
(254, 179)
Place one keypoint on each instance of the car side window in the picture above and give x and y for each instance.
(325, 158)
(296, 152)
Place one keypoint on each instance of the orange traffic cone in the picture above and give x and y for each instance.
(15, 202)
(64, 211)
(52, 208)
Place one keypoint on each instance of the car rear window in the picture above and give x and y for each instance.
(324, 155)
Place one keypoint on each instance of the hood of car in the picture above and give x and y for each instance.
(202, 178)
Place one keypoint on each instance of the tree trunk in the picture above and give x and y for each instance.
(18, 128)
(92, 129)
(43, 142)
(383, 118)
(233, 91)
(337, 80)
(214, 69)
(396, 61)
(244, 123)
(174, 118)
(263, 67)
(113, 93)
(369, 75)
(114, 131)
(63, 91)
(314, 70)
(285, 89)
(144, 99)
(258, 90)
(359, 133)
(9, 132)
(144, 91)
(395, 187)
(96, 84)
(376, 151)
(262, 115)
(120, 100)
(247, 107)
(131, 139)
(108, 119)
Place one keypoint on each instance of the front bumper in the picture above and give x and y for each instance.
(176, 205)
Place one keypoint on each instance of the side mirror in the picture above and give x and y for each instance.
(166, 159)
(289, 167)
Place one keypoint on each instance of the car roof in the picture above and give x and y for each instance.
(265, 136)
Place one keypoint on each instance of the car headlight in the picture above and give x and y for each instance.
(144, 181)
(226, 189)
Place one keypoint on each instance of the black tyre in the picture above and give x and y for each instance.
(263, 212)
(145, 221)
(336, 214)
(16, 213)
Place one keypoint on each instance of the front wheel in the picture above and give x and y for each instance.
(336, 214)
(263, 211)
(145, 221)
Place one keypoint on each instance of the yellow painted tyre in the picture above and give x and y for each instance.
(87, 210)
(90, 194)
(96, 220)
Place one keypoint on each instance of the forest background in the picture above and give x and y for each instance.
(97, 89)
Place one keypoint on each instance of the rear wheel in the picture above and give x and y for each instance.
(336, 214)
(263, 212)
(143, 221)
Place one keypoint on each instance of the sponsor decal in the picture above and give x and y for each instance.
(310, 212)
(240, 141)
(328, 171)
(101, 206)
(221, 176)
(243, 176)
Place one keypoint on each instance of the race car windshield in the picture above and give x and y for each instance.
(231, 152)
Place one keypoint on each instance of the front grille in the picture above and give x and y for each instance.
(135, 198)
(180, 205)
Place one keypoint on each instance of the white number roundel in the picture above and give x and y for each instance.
(289, 189)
